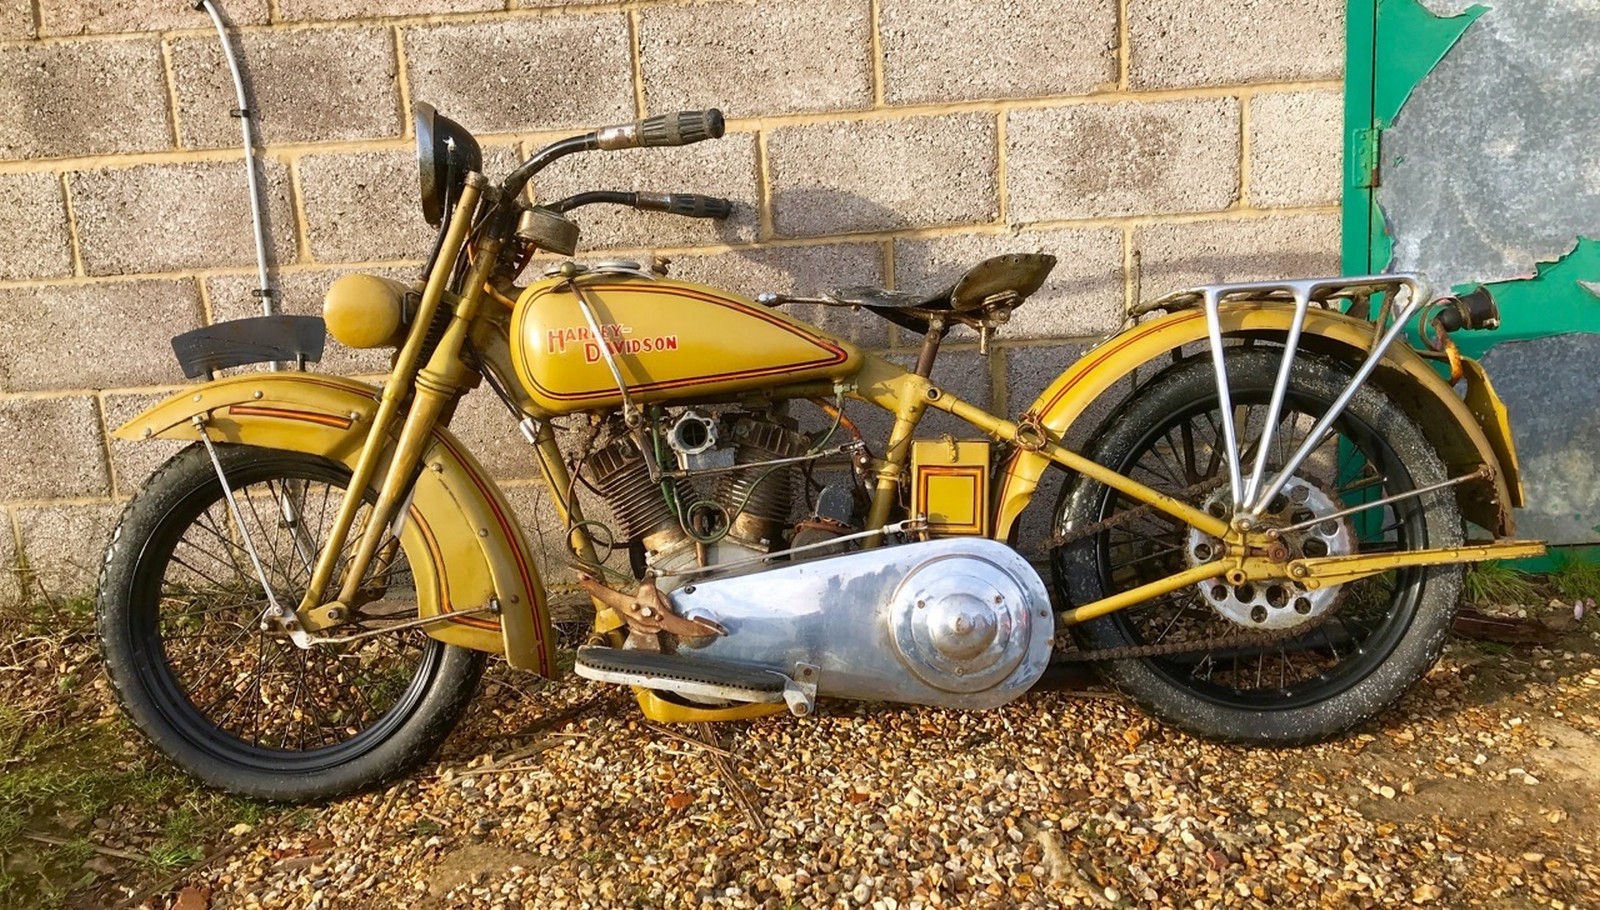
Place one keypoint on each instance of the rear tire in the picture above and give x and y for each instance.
(241, 709)
(1378, 636)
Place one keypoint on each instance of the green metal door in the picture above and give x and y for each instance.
(1472, 154)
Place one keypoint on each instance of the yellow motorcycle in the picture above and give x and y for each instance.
(1262, 541)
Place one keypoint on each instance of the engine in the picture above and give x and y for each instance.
(721, 499)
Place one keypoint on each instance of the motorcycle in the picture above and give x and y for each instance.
(1263, 542)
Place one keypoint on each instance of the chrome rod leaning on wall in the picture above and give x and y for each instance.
(245, 115)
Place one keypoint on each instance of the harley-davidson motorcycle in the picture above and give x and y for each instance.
(1262, 541)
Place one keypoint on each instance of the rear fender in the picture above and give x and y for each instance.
(1465, 437)
(460, 536)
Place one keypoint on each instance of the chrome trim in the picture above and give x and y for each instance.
(956, 623)
(1252, 499)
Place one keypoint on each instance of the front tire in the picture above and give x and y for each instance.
(242, 709)
(1309, 678)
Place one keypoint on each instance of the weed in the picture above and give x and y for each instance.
(1576, 579)
(1498, 583)
(166, 855)
(249, 811)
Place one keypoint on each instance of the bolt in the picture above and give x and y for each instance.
(961, 671)
(257, 395)
(1299, 571)
(688, 589)
(999, 599)
(921, 604)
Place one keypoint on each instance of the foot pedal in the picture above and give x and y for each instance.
(676, 673)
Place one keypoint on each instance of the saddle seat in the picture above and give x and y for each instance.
(983, 297)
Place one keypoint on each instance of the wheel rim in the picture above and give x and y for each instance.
(1331, 653)
(245, 695)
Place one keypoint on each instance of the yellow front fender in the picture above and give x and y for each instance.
(462, 540)
(1464, 441)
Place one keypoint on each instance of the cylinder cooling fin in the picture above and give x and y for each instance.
(760, 502)
(618, 472)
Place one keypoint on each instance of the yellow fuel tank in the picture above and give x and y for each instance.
(672, 340)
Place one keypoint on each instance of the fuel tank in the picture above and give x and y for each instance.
(671, 340)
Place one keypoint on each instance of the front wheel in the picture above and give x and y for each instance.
(243, 709)
(1274, 663)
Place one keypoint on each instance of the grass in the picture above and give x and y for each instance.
(67, 760)
(1498, 583)
(1575, 579)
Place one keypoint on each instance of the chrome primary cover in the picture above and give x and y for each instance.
(957, 623)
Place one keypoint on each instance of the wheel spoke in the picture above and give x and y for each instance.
(244, 681)
(1238, 657)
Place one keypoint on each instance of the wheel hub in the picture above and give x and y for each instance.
(1278, 603)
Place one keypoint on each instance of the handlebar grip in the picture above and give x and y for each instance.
(681, 128)
(691, 205)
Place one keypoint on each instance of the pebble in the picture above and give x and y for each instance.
(1055, 800)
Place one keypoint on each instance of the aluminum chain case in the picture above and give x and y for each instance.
(959, 623)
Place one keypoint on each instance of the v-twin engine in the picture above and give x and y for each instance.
(742, 515)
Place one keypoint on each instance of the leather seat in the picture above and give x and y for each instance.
(995, 283)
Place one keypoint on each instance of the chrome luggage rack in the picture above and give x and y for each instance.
(1404, 295)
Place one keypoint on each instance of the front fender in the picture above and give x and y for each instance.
(1463, 439)
(463, 542)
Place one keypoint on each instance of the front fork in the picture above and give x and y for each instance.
(432, 389)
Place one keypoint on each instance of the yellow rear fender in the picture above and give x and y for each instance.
(460, 536)
(1465, 437)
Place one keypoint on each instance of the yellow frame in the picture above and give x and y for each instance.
(385, 436)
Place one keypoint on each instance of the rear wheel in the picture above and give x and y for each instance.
(1275, 663)
(243, 709)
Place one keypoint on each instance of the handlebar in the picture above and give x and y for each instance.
(681, 128)
(691, 205)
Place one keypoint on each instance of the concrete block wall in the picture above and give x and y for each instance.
(1146, 143)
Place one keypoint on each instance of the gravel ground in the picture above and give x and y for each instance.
(1478, 791)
